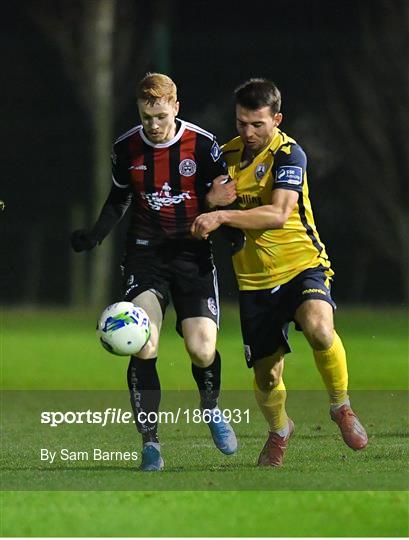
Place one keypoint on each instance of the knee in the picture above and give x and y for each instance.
(268, 379)
(320, 335)
(149, 351)
(202, 357)
(200, 336)
(201, 351)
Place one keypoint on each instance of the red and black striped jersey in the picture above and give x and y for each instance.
(168, 181)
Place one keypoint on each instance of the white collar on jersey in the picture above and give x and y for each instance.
(178, 135)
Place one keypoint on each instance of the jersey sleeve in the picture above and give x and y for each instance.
(120, 167)
(289, 168)
(210, 162)
(114, 209)
(120, 196)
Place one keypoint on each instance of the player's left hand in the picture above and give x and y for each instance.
(204, 224)
(83, 240)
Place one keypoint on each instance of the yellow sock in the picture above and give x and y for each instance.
(272, 405)
(332, 364)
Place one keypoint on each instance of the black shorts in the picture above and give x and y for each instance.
(181, 271)
(266, 314)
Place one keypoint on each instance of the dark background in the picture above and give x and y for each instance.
(342, 71)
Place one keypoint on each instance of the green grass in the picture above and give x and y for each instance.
(237, 513)
(58, 350)
(324, 490)
(315, 460)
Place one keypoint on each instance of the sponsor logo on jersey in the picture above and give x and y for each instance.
(289, 174)
(248, 201)
(211, 304)
(312, 291)
(215, 151)
(260, 171)
(138, 167)
(164, 197)
(187, 167)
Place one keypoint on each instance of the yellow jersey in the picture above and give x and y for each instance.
(272, 257)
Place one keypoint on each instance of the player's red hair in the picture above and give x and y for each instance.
(156, 86)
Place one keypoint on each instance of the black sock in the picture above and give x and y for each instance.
(208, 382)
(144, 389)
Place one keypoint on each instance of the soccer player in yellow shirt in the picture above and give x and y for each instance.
(283, 270)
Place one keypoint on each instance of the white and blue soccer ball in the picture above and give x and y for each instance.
(123, 329)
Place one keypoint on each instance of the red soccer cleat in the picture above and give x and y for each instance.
(272, 454)
(352, 430)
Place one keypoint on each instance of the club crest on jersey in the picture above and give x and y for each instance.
(260, 171)
(187, 167)
(215, 151)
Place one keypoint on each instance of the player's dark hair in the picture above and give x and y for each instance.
(257, 93)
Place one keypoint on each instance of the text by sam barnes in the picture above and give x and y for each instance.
(96, 454)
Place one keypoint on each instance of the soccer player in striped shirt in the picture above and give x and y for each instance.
(167, 171)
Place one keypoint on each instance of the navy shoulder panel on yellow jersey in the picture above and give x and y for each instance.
(289, 167)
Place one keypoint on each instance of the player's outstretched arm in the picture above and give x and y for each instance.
(113, 211)
(269, 216)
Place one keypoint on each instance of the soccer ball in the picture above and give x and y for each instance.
(123, 329)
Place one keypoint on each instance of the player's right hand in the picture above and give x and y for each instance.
(222, 192)
(83, 240)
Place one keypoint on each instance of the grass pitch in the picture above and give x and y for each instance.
(202, 492)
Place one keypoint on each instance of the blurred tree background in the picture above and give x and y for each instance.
(69, 80)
